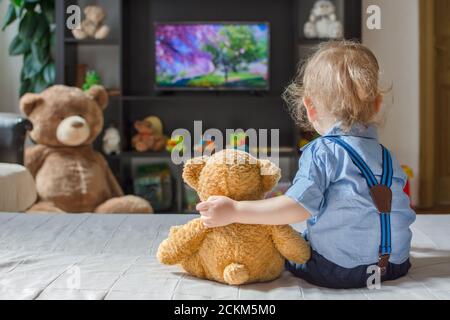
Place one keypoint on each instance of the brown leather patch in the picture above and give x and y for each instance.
(382, 197)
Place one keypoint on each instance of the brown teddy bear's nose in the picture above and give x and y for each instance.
(77, 124)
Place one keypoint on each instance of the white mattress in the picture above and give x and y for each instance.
(113, 257)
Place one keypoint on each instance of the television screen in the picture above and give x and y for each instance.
(212, 56)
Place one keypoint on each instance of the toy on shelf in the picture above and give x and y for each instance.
(92, 79)
(410, 174)
(93, 26)
(111, 141)
(279, 190)
(206, 145)
(238, 141)
(149, 135)
(175, 144)
(191, 199)
(154, 183)
(323, 23)
(307, 138)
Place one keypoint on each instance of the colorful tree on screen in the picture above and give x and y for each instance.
(196, 52)
(238, 48)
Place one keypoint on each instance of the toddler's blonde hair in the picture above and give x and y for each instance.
(341, 78)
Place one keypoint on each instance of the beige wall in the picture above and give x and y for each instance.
(9, 68)
(397, 48)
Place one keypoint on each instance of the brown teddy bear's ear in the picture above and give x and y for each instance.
(28, 102)
(100, 95)
(270, 175)
(192, 170)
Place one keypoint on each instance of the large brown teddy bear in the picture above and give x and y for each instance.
(70, 175)
(235, 254)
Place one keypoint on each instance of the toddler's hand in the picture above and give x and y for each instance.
(217, 211)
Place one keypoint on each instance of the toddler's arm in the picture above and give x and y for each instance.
(222, 211)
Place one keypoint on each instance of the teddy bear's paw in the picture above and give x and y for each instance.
(236, 274)
(79, 34)
(102, 33)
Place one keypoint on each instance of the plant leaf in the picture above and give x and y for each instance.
(18, 46)
(40, 85)
(25, 87)
(40, 55)
(42, 28)
(9, 17)
(18, 3)
(49, 73)
(31, 66)
(28, 25)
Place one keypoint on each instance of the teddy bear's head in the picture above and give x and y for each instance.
(232, 173)
(144, 127)
(323, 8)
(95, 14)
(65, 116)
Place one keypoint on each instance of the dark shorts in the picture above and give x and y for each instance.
(324, 273)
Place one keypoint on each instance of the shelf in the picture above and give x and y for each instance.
(285, 152)
(313, 42)
(198, 98)
(135, 154)
(92, 42)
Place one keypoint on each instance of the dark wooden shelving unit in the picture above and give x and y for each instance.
(133, 38)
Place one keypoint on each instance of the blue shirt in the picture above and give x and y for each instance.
(345, 224)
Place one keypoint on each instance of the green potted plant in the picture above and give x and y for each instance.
(34, 40)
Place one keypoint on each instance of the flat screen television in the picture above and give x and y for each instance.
(212, 56)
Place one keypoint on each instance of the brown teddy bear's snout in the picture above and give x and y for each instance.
(73, 131)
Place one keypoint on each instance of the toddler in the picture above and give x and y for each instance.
(348, 187)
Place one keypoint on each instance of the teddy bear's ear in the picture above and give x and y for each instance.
(28, 102)
(192, 170)
(100, 95)
(270, 175)
(88, 10)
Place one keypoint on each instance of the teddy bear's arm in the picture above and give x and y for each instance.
(182, 242)
(116, 190)
(291, 244)
(34, 158)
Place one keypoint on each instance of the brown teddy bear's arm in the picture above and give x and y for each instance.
(34, 158)
(116, 190)
(290, 244)
(182, 242)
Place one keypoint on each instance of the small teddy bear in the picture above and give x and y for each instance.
(323, 23)
(93, 25)
(235, 254)
(111, 141)
(148, 138)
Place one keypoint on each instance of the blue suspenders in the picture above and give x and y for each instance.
(381, 194)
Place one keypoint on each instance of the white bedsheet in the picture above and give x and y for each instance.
(113, 257)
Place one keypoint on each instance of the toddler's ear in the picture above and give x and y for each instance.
(192, 170)
(270, 175)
